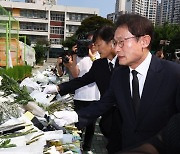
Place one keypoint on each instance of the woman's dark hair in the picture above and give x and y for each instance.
(136, 24)
(106, 33)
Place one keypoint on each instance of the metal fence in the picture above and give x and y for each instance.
(9, 39)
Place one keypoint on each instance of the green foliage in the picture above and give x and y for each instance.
(10, 86)
(27, 71)
(41, 48)
(43, 42)
(6, 144)
(28, 41)
(40, 53)
(18, 73)
(16, 134)
(58, 106)
(169, 32)
(70, 42)
(87, 25)
(93, 23)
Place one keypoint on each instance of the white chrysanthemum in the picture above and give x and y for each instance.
(8, 109)
(3, 99)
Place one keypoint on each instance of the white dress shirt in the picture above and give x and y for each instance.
(142, 73)
(113, 61)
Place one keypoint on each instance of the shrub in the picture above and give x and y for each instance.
(18, 73)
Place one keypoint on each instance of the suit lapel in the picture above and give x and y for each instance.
(107, 66)
(117, 63)
(151, 86)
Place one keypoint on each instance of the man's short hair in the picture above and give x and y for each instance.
(106, 33)
(136, 24)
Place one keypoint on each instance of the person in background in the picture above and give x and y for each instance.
(88, 94)
(146, 89)
(61, 67)
(100, 73)
(160, 54)
(177, 57)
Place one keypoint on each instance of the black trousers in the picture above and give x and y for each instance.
(89, 130)
(110, 126)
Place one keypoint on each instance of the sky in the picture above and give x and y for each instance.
(105, 6)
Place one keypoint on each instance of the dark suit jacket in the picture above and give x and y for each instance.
(98, 73)
(101, 75)
(160, 100)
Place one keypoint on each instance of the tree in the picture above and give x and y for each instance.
(89, 24)
(28, 41)
(93, 23)
(170, 32)
(70, 42)
(41, 48)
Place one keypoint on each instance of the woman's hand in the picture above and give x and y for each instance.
(70, 62)
(74, 48)
(59, 61)
(93, 58)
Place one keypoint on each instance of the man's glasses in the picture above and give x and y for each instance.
(121, 43)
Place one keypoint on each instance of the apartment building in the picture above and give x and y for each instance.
(170, 11)
(176, 13)
(120, 6)
(53, 23)
(146, 8)
(164, 11)
(158, 13)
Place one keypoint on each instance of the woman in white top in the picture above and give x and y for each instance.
(88, 94)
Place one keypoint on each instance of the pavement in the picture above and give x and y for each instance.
(99, 141)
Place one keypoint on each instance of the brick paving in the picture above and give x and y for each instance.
(99, 141)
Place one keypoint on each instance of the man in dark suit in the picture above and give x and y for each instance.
(146, 89)
(166, 142)
(100, 73)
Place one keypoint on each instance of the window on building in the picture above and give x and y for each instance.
(72, 28)
(33, 27)
(57, 16)
(56, 40)
(56, 30)
(78, 16)
(33, 14)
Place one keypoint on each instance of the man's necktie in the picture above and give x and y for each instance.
(135, 91)
(111, 67)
